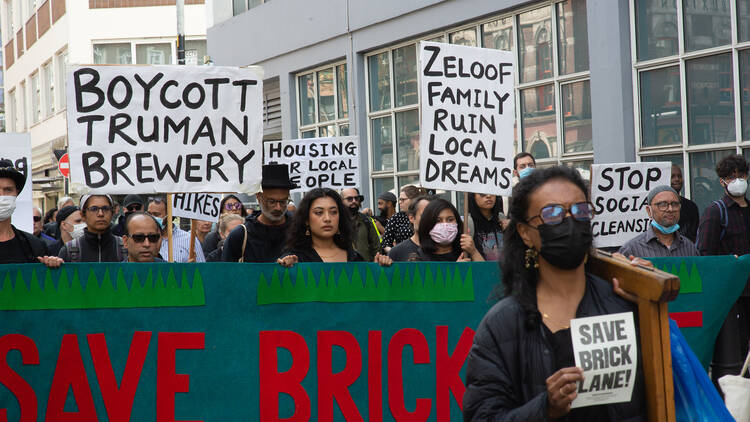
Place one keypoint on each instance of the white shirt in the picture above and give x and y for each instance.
(180, 247)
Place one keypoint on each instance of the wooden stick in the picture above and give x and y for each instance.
(191, 253)
(170, 256)
(466, 212)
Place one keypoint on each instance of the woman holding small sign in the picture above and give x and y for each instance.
(522, 365)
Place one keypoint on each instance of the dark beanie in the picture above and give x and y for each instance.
(659, 189)
(65, 213)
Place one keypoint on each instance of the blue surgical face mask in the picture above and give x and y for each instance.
(160, 221)
(525, 172)
(666, 230)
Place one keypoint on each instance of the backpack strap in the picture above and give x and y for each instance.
(244, 243)
(724, 217)
(122, 251)
(374, 226)
(74, 250)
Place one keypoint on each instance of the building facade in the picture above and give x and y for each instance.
(599, 80)
(41, 37)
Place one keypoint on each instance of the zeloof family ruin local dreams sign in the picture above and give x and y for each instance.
(467, 106)
(136, 129)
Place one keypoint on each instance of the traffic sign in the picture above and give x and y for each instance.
(64, 165)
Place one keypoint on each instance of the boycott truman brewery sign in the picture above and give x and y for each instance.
(318, 162)
(466, 135)
(136, 129)
(17, 148)
(619, 193)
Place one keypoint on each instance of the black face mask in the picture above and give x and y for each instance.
(565, 245)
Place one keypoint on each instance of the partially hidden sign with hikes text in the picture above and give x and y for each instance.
(620, 194)
(200, 206)
(17, 149)
(137, 129)
(467, 115)
(317, 162)
(605, 347)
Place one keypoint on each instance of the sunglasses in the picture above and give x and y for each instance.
(234, 206)
(358, 198)
(139, 238)
(105, 209)
(554, 214)
(37, 218)
(157, 199)
(134, 207)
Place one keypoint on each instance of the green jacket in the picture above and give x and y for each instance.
(365, 239)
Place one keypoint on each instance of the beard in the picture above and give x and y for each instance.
(383, 213)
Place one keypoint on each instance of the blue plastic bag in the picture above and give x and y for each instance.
(695, 397)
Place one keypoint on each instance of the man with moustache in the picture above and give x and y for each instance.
(365, 239)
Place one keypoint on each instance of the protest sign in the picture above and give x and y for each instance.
(619, 193)
(17, 148)
(199, 206)
(318, 162)
(137, 129)
(467, 116)
(605, 347)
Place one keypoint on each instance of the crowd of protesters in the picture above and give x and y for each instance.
(541, 244)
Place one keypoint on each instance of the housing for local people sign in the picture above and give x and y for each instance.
(318, 162)
(136, 129)
(619, 193)
(467, 106)
(17, 148)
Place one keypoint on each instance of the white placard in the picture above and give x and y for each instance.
(605, 348)
(467, 116)
(17, 148)
(140, 129)
(619, 193)
(199, 206)
(318, 162)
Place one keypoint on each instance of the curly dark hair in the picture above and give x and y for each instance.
(731, 164)
(518, 280)
(296, 234)
(428, 221)
(243, 211)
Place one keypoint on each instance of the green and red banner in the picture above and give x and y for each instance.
(250, 342)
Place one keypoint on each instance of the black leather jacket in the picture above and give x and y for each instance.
(509, 364)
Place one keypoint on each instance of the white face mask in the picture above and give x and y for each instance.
(737, 187)
(77, 230)
(7, 206)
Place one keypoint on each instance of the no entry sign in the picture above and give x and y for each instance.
(64, 165)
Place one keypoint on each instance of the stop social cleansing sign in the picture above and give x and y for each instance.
(466, 133)
(138, 129)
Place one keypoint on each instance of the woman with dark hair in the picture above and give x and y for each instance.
(399, 228)
(320, 231)
(521, 366)
(485, 216)
(441, 236)
(229, 205)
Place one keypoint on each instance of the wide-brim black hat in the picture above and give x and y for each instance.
(8, 170)
(276, 176)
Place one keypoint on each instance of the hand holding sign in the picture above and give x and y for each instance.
(562, 390)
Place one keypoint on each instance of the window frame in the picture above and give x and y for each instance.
(337, 121)
(48, 86)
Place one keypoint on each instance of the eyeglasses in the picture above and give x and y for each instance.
(273, 202)
(402, 199)
(554, 214)
(664, 205)
(105, 209)
(139, 238)
(134, 207)
(358, 198)
(233, 206)
(37, 218)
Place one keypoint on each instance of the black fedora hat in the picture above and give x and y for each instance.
(276, 176)
(8, 170)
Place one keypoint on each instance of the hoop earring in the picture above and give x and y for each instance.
(531, 258)
(307, 232)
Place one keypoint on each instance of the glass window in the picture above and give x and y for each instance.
(407, 137)
(535, 37)
(10, 116)
(405, 75)
(710, 100)
(327, 131)
(538, 121)
(656, 28)
(704, 184)
(153, 53)
(583, 167)
(380, 82)
(572, 36)
(238, 6)
(576, 107)
(307, 99)
(23, 114)
(379, 186)
(36, 109)
(343, 98)
(467, 37)
(661, 120)
(61, 63)
(499, 34)
(113, 53)
(343, 130)
(672, 158)
(707, 24)
(195, 50)
(382, 144)
(326, 106)
(49, 89)
(743, 19)
(745, 90)
(308, 134)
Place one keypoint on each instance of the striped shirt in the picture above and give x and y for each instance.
(180, 247)
(647, 245)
